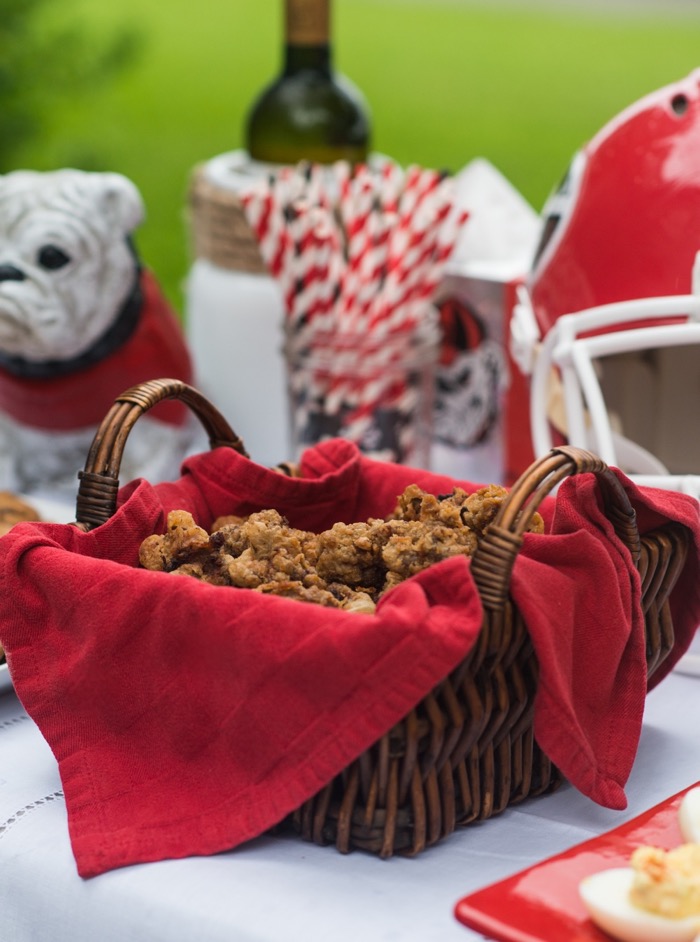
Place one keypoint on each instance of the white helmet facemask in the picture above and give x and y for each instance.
(571, 382)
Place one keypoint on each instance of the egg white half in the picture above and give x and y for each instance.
(606, 897)
(689, 816)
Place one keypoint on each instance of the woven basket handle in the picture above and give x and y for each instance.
(494, 558)
(99, 482)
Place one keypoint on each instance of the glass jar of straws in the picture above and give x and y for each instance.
(358, 253)
(375, 391)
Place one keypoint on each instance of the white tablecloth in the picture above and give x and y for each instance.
(281, 888)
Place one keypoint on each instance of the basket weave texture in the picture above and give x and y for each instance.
(466, 751)
(219, 229)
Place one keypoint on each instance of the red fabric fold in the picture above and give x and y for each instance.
(187, 718)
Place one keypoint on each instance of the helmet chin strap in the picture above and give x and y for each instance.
(565, 390)
(695, 277)
(556, 407)
(632, 458)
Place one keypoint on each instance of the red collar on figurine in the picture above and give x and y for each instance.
(156, 348)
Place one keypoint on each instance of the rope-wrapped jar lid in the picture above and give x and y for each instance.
(218, 226)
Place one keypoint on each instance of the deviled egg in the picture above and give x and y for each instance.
(689, 816)
(655, 899)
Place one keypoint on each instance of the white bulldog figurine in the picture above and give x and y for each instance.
(80, 322)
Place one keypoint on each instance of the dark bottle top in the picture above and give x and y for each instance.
(308, 112)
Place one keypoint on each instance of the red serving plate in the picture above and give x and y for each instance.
(541, 904)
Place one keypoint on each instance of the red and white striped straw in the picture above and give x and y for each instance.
(358, 254)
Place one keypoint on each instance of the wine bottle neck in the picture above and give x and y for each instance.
(307, 36)
(302, 58)
(307, 22)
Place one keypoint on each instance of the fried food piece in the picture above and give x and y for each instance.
(348, 566)
(181, 540)
(14, 510)
(353, 600)
(209, 568)
(335, 596)
(411, 546)
(249, 571)
(225, 521)
(293, 589)
(481, 507)
(351, 553)
(426, 529)
(265, 533)
(263, 548)
(475, 511)
(416, 504)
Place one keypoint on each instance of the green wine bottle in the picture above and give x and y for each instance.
(308, 112)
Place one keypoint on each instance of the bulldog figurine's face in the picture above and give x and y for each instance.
(65, 264)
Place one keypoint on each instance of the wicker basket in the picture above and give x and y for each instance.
(467, 750)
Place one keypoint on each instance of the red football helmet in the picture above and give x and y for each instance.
(608, 324)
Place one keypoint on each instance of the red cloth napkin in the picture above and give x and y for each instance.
(187, 718)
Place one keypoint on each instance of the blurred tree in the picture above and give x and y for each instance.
(43, 61)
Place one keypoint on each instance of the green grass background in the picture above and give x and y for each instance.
(446, 80)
